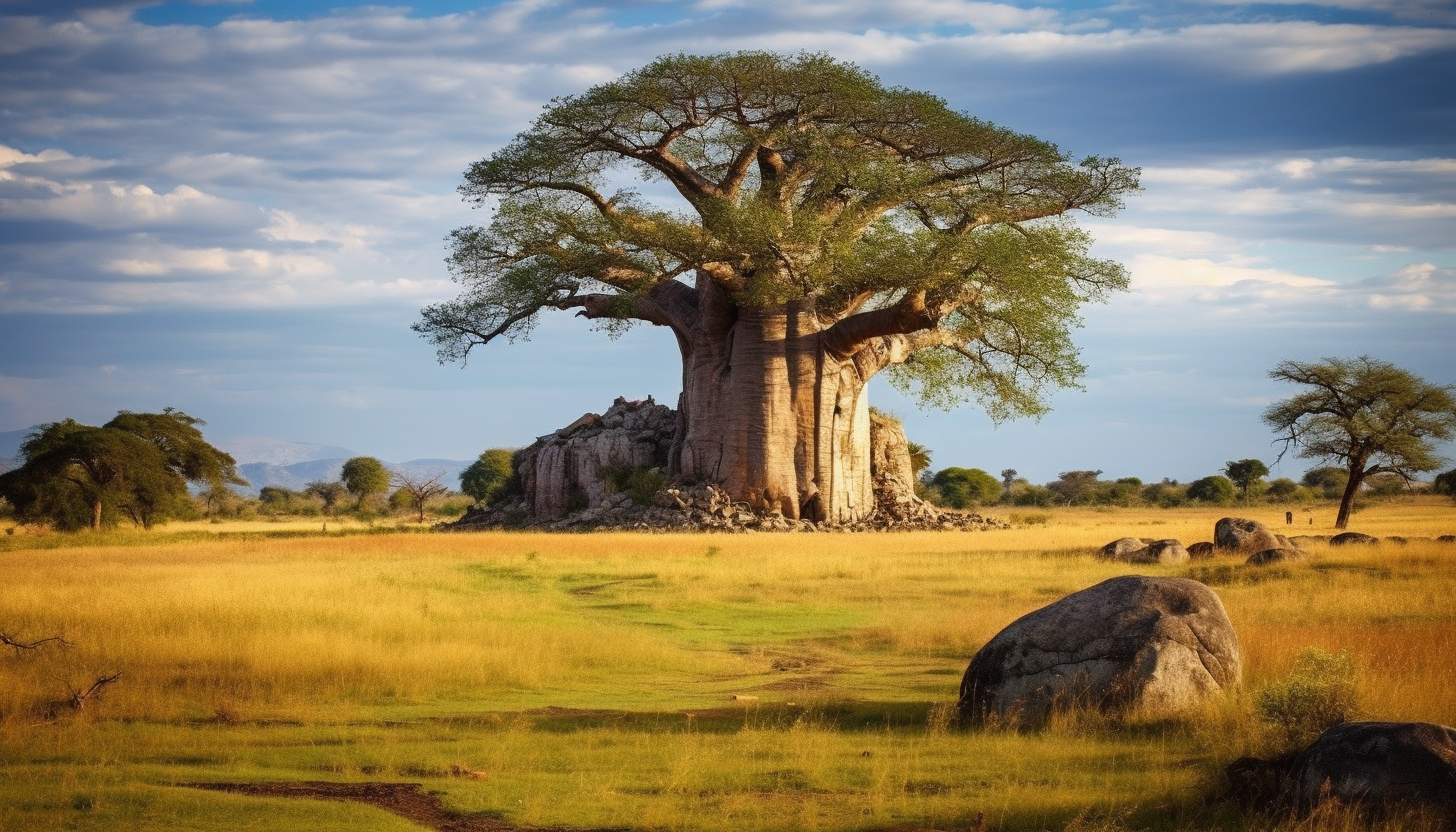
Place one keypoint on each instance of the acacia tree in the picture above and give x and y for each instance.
(137, 465)
(1246, 473)
(826, 228)
(420, 489)
(1370, 416)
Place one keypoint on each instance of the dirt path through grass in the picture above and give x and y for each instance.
(408, 800)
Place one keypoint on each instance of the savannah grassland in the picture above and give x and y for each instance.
(588, 681)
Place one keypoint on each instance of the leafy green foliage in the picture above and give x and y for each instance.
(802, 180)
(1217, 489)
(330, 492)
(363, 476)
(1073, 487)
(137, 466)
(1327, 481)
(1284, 488)
(1246, 474)
(966, 487)
(1445, 483)
(1319, 693)
(487, 477)
(641, 484)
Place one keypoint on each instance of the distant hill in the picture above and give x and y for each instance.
(254, 449)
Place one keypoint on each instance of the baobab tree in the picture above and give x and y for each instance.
(823, 228)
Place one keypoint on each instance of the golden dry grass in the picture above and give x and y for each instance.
(590, 676)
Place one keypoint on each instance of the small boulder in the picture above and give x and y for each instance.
(1306, 539)
(1380, 765)
(1269, 556)
(1446, 538)
(1129, 644)
(1166, 551)
(1348, 538)
(1201, 550)
(1122, 547)
(1237, 534)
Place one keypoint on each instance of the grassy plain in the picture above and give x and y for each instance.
(589, 681)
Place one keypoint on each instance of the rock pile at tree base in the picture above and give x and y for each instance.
(692, 508)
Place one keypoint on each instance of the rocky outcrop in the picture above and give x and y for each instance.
(572, 469)
(608, 472)
(1243, 536)
(1353, 538)
(1128, 644)
(1379, 765)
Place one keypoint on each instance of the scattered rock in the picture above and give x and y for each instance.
(1167, 551)
(1269, 556)
(1348, 538)
(1128, 644)
(1201, 550)
(1238, 534)
(1446, 538)
(1380, 765)
(1120, 548)
(1144, 550)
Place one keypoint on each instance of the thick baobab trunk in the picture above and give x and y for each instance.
(772, 417)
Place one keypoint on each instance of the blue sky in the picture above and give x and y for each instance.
(237, 208)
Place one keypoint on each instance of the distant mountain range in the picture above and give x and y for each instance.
(265, 461)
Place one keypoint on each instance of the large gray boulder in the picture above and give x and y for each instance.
(1380, 765)
(1129, 644)
(1237, 534)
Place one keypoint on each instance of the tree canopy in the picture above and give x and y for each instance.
(799, 177)
(1246, 473)
(1368, 415)
(486, 477)
(137, 465)
(363, 476)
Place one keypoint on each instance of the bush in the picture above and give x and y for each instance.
(1445, 483)
(1218, 490)
(1318, 693)
(1285, 489)
(641, 484)
(1035, 495)
(1327, 482)
(966, 487)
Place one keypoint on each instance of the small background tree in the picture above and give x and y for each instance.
(1247, 475)
(364, 476)
(419, 489)
(1325, 481)
(329, 492)
(1218, 490)
(1074, 487)
(966, 487)
(1369, 415)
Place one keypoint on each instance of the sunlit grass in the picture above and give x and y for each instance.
(589, 680)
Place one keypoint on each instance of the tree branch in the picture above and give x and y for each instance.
(10, 641)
